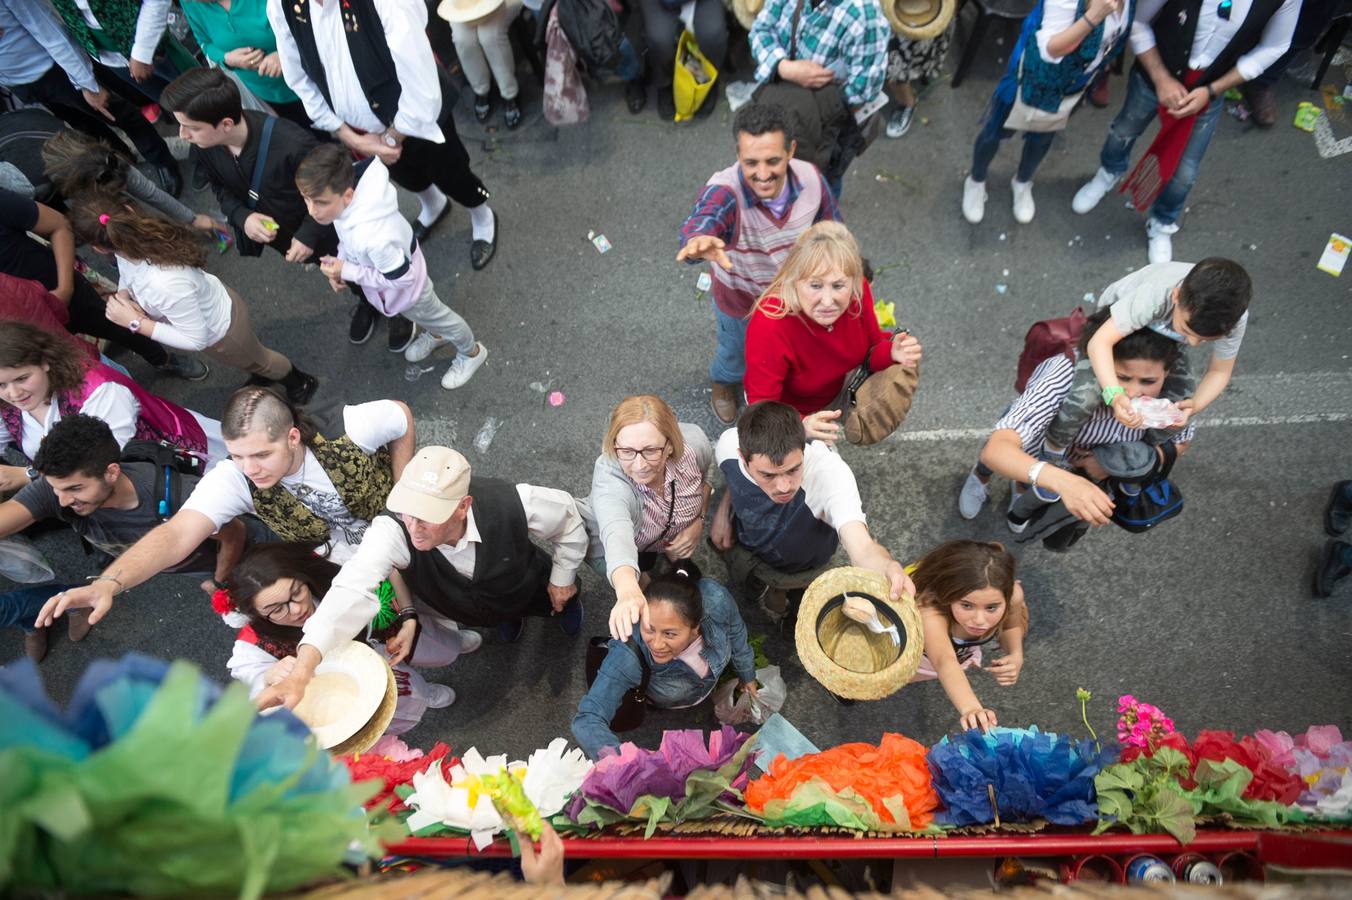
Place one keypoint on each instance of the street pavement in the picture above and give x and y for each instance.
(1210, 616)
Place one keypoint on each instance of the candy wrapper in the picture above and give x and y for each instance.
(1158, 412)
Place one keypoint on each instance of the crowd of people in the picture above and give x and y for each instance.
(306, 542)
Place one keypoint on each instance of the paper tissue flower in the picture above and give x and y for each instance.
(155, 781)
(553, 775)
(1034, 775)
(1269, 782)
(684, 779)
(1321, 760)
(394, 764)
(882, 788)
(886, 313)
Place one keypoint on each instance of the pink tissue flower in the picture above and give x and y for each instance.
(556, 398)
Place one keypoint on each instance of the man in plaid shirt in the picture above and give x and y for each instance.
(838, 40)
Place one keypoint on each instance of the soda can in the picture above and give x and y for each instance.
(1147, 869)
(1195, 870)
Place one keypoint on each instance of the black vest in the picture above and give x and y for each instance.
(786, 536)
(1173, 38)
(371, 56)
(511, 574)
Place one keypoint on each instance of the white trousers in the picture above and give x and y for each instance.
(483, 45)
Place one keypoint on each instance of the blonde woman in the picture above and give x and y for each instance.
(813, 325)
(650, 494)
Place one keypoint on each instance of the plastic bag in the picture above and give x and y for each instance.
(1158, 412)
(693, 78)
(22, 562)
(565, 98)
(769, 700)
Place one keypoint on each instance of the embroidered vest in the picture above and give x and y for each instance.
(761, 244)
(157, 419)
(117, 21)
(371, 57)
(362, 481)
(1046, 84)
(1175, 25)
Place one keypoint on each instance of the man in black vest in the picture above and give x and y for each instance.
(464, 547)
(365, 72)
(1188, 54)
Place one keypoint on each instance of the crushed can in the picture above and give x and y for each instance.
(1147, 869)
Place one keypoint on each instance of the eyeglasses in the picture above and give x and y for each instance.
(1223, 10)
(651, 454)
(284, 608)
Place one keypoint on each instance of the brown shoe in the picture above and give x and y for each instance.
(77, 624)
(35, 644)
(724, 402)
(1263, 105)
(775, 602)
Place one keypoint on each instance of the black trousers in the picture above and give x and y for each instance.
(87, 317)
(54, 91)
(446, 165)
(662, 26)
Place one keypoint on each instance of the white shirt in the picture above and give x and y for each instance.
(405, 22)
(223, 493)
(1058, 15)
(111, 402)
(551, 518)
(1213, 34)
(831, 492)
(150, 25)
(190, 307)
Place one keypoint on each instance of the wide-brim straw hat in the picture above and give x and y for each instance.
(746, 11)
(847, 658)
(350, 701)
(919, 20)
(466, 10)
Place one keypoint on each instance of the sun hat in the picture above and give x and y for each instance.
(850, 658)
(350, 701)
(746, 11)
(432, 485)
(466, 10)
(919, 20)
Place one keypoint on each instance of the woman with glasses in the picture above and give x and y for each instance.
(277, 587)
(650, 493)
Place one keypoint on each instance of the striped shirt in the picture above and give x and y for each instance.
(847, 36)
(1037, 406)
(680, 502)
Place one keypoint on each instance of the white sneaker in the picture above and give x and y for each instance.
(1161, 249)
(463, 368)
(439, 696)
(1088, 197)
(423, 345)
(973, 200)
(1023, 201)
(972, 497)
(470, 641)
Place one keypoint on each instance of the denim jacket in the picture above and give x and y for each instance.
(673, 684)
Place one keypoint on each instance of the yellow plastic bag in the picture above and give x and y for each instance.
(693, 79)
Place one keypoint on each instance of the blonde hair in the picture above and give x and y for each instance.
(822, 248)
(644, 408)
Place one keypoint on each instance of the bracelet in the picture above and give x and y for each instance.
(1035, 470)
(1112, 393)
(120, 586)
(407, 614)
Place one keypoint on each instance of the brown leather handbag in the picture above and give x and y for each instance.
(875, 405)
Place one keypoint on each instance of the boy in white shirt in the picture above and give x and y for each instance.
(377, 250)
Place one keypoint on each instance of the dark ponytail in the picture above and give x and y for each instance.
(680, 588)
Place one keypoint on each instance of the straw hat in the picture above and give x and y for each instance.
(746, 11)
(350, 701)
(848, 658)
(918, 20)
(466, 10)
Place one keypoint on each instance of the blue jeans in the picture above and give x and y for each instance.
(992, 133)
(1138, 111)
(729, 363)
(21, 607)
(630, 67)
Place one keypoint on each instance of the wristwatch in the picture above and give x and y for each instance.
(389, 139)
(134, 326)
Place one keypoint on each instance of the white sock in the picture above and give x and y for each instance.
(433, 202)
(481, 223)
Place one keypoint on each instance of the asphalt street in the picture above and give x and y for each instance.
(1210, 616)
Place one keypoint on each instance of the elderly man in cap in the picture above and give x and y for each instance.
(464, 547)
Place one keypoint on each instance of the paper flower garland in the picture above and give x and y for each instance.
(394, 764)
(1034, 775)
(882, 788)
(155, 781)
(1322, 760)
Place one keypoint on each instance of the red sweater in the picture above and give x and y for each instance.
(798, 362)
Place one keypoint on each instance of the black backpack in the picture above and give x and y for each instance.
(593, 29)
(1157, 500)
(173, 463)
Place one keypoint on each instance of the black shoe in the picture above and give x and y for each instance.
(300, 387)
(1331, 568)
(363, 323)
(186, 366)
(510, 632)
(570, 620)
(635, 95)
(483, 107)
(480, 252)
(420, 231)
(511, 113)
(706, 109)
(402, 332)
(1337, 515)
(666, 104)
(170, 178)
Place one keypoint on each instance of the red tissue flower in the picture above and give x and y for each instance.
(368, 766)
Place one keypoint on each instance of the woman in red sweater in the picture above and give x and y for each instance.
(813, 325)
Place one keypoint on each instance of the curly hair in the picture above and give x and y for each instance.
(79, 164)
(23, 344)
(118, 224)
(77, 445)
